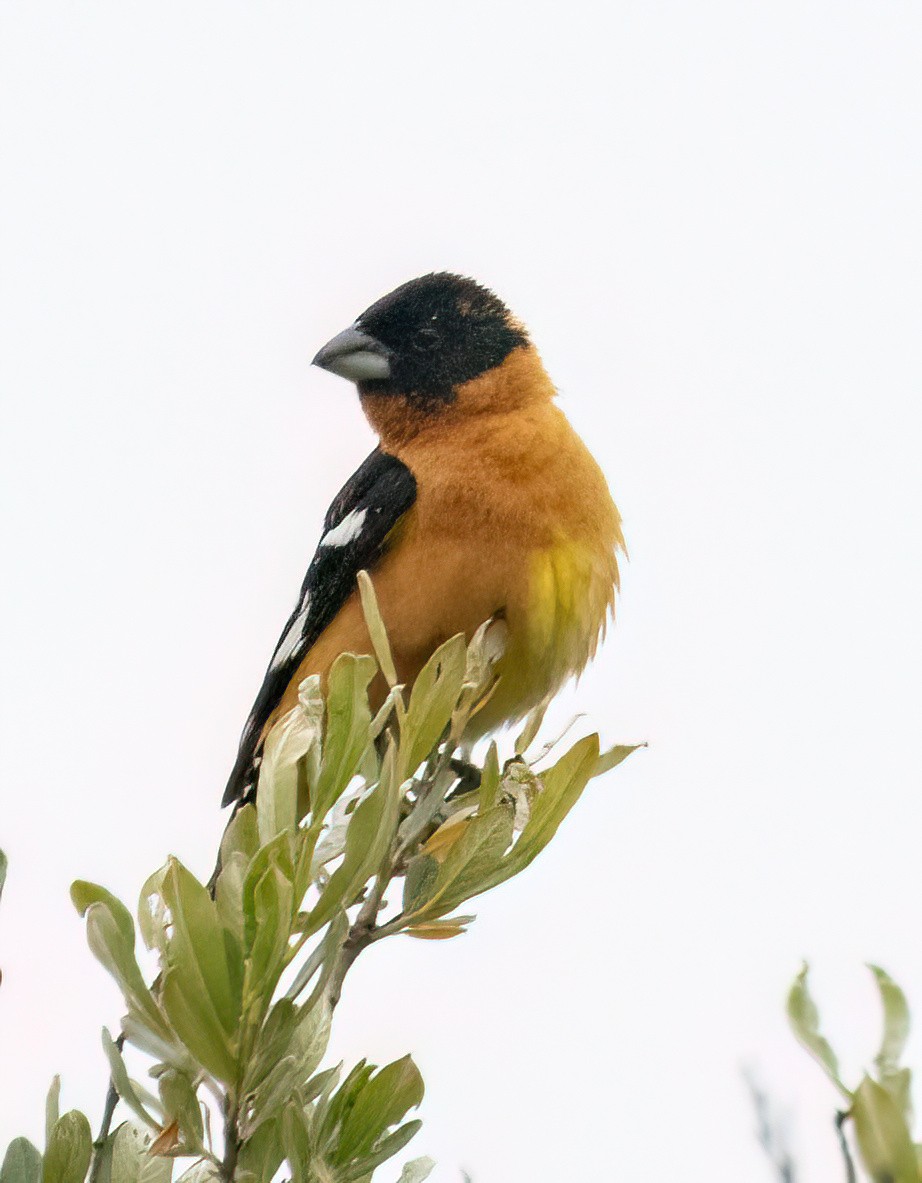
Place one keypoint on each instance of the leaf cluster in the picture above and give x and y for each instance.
(354, 807)
(879, 1109)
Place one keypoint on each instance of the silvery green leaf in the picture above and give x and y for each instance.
(470, 864)
(122, 1083)
(419, 882)
(417, 1170)
(387, 708)
(562, 786)
(296, 1143)
(229, 893)
(884, 1142)
(532, 727)
(381, 1101)
(322, 956)
(332, 842)
(486, 648)
(52, 1107)
(131, 1160)
(180, 1104)
(369, 836)
(348, 718)
(203, 980)
(67, 1155)
(261, 1154)
(376, 630)
(294, 743)
(896, 1023)
(22, 1163)
(153, 915)
(241, 835)
(805, 1021)
(278, 1088)
(430, 802)
(432, 700)
(110, 935)
(363, 1168)
(4, 863)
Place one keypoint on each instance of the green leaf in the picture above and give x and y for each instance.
(201, 985)
(229, 891)
(376, 630)
(131, 1161)
(262, 1153)
(4, 863)
(615, 756)
(22, 1163)
(153, 917)
(67, 1156)
(180, 1104)
(122, 1082)
(52, 1107)
(805, 1019)
(382, 1103)
(884, 1143)
(432, 700)
(362, 1170)
(489, 780)
(241, 836)
(419, 883)
(347, 729)
(291, 755)
(368, 839)
(273, 905)
(331, 1111)
(470, 864)
(197, 1026)
(110, 935)
(562, 787)
(322, 957)
(893, 1042)
(296, 1141)
(85, 894)
(198, 950)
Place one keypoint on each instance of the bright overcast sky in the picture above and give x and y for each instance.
(710, 215)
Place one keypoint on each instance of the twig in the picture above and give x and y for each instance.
(850, 1174)
(231, 1139)
(360, 935)
(107, 1115)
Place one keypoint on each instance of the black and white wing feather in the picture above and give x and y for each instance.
(356, 528)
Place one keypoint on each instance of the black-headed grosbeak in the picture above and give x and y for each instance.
(480, 501)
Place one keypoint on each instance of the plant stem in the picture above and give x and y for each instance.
(105, 1124)
(231, 1139)
(850, 1175)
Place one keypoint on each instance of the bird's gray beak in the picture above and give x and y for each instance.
(354, 355)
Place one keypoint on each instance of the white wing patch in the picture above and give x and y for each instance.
(293, 637)
(347, 531)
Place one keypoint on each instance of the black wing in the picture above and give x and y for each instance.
(355, 534)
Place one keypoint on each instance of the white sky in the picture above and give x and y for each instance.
(709, 215)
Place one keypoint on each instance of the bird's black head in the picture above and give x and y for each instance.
(425, 339)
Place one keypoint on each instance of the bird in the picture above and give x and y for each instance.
(480, 502)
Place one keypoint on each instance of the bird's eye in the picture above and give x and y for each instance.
(426, 339)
